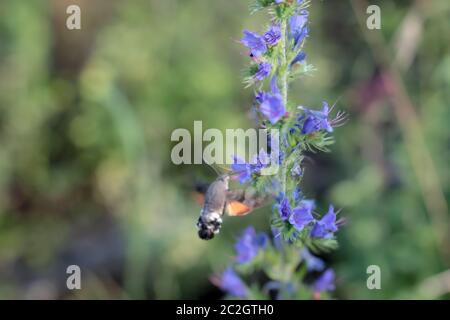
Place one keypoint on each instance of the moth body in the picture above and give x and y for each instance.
(210, 220)
(218, 199)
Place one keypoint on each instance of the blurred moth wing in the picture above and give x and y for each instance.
(235, 208)
(239, 202)
(243, 201)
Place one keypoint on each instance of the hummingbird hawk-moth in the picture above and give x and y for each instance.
(219, 198)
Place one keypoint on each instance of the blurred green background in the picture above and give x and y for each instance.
(85, 124)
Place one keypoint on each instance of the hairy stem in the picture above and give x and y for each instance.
(283, 73)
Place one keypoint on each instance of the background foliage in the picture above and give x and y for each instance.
(85, 124)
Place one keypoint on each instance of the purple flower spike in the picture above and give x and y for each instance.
(232, 284)
(254, 42)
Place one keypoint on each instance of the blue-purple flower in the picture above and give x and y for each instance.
(273, 35)
(312, 262)
(249, 245)
(271, 104)
(243, 170)
(297, 195)
(296, 223)
(316, 120)
(264, 69)
(325, 282)
(302, 215)
(260, 161)
(299, 58)
(298, 28)
(325, 227)
(254, 42)
(283, 207)
(232, 284)
(260, 96)
(273, 107)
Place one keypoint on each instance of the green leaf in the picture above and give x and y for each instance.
(318, 245)
(318, 141)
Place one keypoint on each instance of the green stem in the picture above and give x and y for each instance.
(283, 72)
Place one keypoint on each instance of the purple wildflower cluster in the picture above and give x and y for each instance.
(261, 50)
(250, 244)
(245, 170)
(315, 120)
(312, 120)
(301, 217)
(273, 35)
(271, 104)
(276, 57)
(248, 247)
